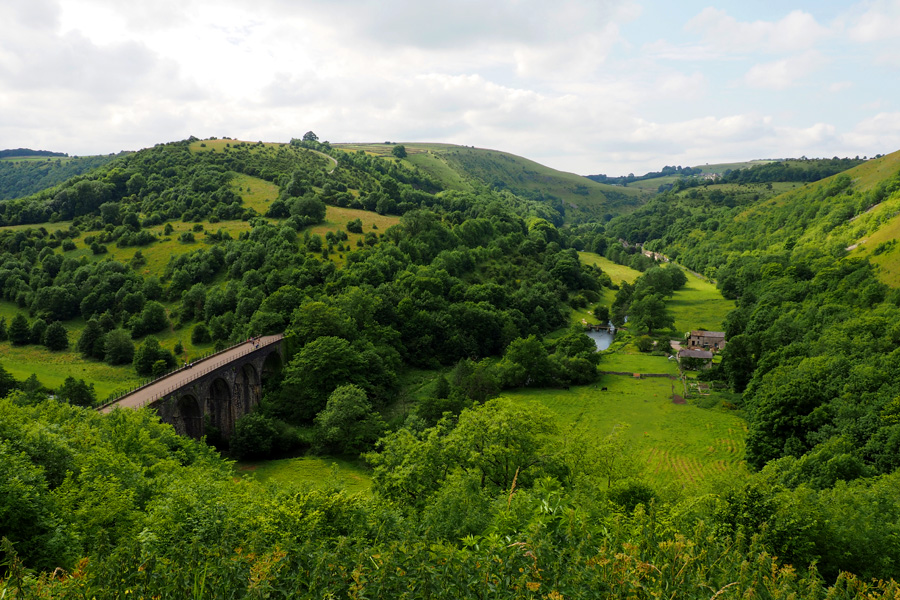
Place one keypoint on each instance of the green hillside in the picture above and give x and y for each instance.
(467, 168)
(25, 175)
(432, 304)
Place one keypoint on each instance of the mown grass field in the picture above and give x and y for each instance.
(675, 444)
(314, 471)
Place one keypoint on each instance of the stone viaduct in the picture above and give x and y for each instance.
(211, 393)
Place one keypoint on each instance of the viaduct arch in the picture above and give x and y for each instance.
(212, 393)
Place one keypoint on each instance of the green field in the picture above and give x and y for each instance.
(52, 368)
(679, 444)
(635, 362)
(698, 305)
(315, 471)
(618, 273)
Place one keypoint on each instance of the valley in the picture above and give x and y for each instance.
(440, 403)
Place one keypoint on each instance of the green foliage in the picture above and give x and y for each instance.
(7, 382)
(77, 392)
(648, 313)
(149, 354)
(19, 331)
(347, 424)
(56, 338)
(118, 347)
(255, 436)
(399, 151)
(200, 334)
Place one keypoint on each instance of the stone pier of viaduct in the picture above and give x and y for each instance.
(213, 393)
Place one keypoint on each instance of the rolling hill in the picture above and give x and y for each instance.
(466, 168)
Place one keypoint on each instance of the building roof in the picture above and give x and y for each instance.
(684, 353)
(712, 334)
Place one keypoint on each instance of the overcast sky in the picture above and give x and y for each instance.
(589, 86)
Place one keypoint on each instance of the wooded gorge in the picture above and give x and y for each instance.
(174, 250)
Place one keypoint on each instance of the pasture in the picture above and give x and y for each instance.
(680, 444)
(618, 273)
(52, 368)
(698, 305)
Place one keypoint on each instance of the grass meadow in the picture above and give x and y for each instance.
(679, 444)
(618, 273)
(315, 471)
(698, 305)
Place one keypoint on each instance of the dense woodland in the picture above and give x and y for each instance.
(474, 495)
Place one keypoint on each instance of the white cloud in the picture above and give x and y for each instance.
(880, 21)
(840, 86)
(878, 134)
(783, 73)
(798, 30)
(682, 86)
(576, 84)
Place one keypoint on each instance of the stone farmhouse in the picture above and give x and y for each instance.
(706, 340)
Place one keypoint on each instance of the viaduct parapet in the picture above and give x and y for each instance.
(213, 393)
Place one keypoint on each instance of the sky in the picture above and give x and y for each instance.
(587, 86)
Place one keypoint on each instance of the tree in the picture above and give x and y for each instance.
(151, 320)
(311, 209)
(200, 334)
(147, 356)
(4, 330)
(622, 303)
(355, 226)
(56, 337)
(38, 328)
(399, 151)
(319, 367)
(77, 392)
(7, 382)
(255, 435)
(318, 319)
(347, 424)
(119, 349)
(649, 313)
(19, 331)
(309, 136)
(90, 343)
(527, 363)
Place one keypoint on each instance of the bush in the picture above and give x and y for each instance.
(255, 436)
(644, 343)
(200, 334)
(355, 226)
(56, 337)
(631, 492)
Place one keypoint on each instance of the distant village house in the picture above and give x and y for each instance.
(706, 340)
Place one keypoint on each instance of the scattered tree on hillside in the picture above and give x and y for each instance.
(56, 338)
(19, 331)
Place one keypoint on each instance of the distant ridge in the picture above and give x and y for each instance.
(27, 152)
